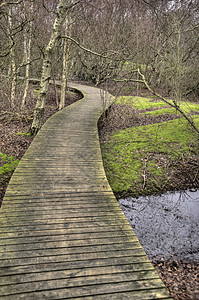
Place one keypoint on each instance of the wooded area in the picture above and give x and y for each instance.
(131, 48)
(97, 40)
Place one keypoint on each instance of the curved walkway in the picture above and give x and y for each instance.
(63, 234)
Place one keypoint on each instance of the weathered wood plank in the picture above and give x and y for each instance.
(64, 214)
(21, 222)
(63, 243)
(94, 289)
(42, 207)
(68, 257)
(70, 250)
(142, 295)
(81, 264)
(78, 282)
(83, 272)
(65, 231)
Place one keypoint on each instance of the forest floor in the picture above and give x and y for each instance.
(180, 277)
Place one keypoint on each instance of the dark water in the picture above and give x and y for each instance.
(166, 225)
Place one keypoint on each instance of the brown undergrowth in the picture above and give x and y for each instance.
(180, 278)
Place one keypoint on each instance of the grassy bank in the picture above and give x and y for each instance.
(152, 158)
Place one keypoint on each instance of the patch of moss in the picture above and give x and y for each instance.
(23, 133)
(161, 111)
(131, 154)
(9, 163)
(36, 92)
(140, 102)
(189, 106)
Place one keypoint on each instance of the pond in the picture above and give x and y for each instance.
(167, 225)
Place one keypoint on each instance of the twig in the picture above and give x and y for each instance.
(89, 50)
(174, 104)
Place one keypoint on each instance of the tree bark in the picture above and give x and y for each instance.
(66, 53)
(27, 55)
(12, 68)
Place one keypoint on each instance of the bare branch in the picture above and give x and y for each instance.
(28, 63)
(149, 4)
(73, 4)
(9, 48)
(10, 3)
(21, 26)
(89, 50)
(174, 104)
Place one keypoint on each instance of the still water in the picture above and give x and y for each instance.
(166, 225)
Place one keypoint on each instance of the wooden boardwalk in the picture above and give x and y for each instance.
(63, 234)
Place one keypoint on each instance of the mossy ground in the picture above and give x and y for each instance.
(7, 164)
(142, 160)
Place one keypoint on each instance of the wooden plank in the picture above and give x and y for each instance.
(70, 250)
(64, 214)
(22, 221)
(72, 265)
(66, 206)
(78, 282)
(93, 290)
(63, 243)
(71, 227)
(142, 295)
(83, 272)
(68, 257)
(88, 193)
(68, 237)
(65, 231)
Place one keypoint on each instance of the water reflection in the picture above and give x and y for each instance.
(166, 225)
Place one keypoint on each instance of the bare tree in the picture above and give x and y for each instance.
(46, 69)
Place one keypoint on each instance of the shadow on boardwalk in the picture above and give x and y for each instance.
(63, 234)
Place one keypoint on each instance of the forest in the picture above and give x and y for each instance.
(99, 41)
(132, 48)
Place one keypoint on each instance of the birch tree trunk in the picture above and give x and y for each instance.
(27, 55)
(66, 53)
(47, 66)
(12, 68)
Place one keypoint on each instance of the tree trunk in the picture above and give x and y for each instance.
(46, 69)
(27, 55)
(13, 69)
(66, 52)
